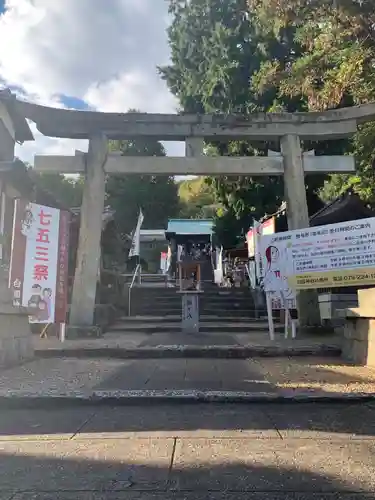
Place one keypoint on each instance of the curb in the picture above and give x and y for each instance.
(123, 398)
(150, 329)
(188, 351)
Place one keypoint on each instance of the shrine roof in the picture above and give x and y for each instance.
(346, 207)
(190, 226)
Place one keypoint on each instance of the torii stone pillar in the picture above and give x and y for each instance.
(298, 217)
(194, 147)
(15, 336)
(90, 233)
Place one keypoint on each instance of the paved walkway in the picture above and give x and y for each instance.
(220, 378)
(131, 340)
(189, 453)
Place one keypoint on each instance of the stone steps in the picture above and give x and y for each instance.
(174, 292)
(193, 351)
(202, 305)
(231, 304)
(207, 291)
(214, 301)
(176, 311)
(173, 318)
(162, 326)
(158, 310)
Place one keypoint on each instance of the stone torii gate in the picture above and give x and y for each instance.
(98, 128)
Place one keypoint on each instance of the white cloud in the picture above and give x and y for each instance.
(101, 51)
(48, 146)
(131, 90)
(65, 46)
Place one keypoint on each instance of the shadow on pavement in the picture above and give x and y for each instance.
(255, 420)
(188, 374)
(256, 375)
(105, 475)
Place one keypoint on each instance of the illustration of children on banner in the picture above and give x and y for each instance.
(39, 304)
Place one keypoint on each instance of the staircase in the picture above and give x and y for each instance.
(156, 308)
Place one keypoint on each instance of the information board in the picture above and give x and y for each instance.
(335, 255)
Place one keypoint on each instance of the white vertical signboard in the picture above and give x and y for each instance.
(135, 248)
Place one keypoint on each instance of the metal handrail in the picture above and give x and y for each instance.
(136, 272)
(247, 267)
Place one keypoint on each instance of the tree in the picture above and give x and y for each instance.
(126, 194)
(217, 50)
(335, 69)
(336, 43)
(197, 199)
(67, 190)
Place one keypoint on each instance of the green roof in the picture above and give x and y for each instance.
(190, 226)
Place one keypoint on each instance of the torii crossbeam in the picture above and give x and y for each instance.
(203, 165)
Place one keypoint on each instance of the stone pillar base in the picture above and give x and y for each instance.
(359, 330)
(16, 343)
(76, 332)
(359, 341)
(190, 312)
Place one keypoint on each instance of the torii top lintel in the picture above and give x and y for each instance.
(74, 124)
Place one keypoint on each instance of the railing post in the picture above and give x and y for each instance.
(136, 271)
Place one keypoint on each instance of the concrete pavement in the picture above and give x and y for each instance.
(90, 381)
(193, 453)
(167, 345)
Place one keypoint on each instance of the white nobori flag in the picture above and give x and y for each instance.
(134, 250)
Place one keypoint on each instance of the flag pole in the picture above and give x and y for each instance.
(139, 236)
(135, 248)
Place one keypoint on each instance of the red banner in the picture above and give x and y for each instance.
(267, 227)
(62, 271)
(39, 261)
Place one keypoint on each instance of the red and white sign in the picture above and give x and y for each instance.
(267, 227)
(38, 274)
(164, 262)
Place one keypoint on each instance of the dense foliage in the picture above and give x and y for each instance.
(197, 199)
(67, 190)
(238, 56)
(335, 69)
(156, 195)
(126, 194)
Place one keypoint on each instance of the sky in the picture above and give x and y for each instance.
(85, 54)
